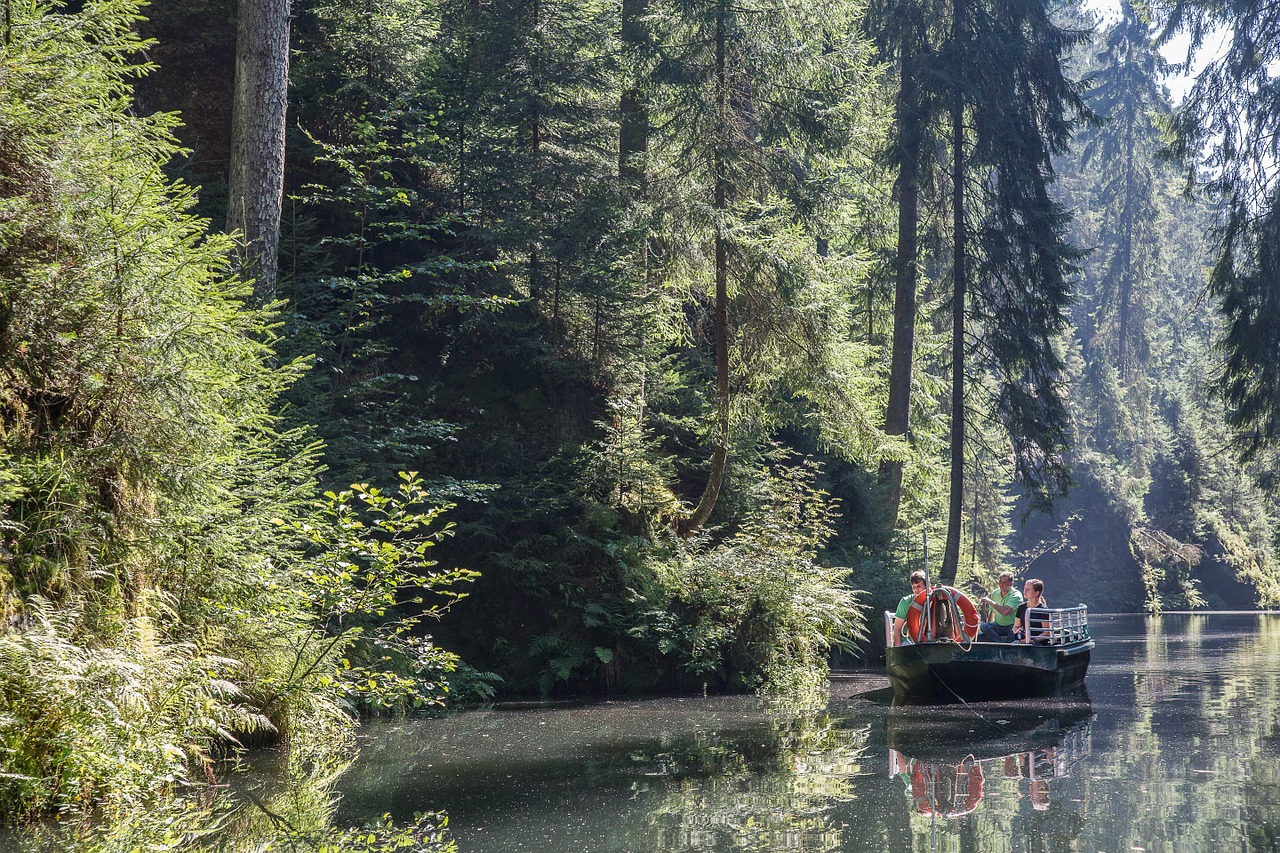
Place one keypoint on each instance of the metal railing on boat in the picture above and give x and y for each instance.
(1067, 625)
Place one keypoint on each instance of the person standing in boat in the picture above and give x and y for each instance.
(1004, 606)
(1039, 627)
(919, 584)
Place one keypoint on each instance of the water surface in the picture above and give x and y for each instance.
(1175, 747)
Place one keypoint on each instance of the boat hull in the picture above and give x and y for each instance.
(950, 672)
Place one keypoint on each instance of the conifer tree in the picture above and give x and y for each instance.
(1128, 94)
(1150, 487)
(752, 116)
(902, 33)
(1228, 124)
(1012, 108)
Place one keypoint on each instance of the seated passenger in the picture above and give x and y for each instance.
(1038, 630)
(1005, 608)
(919, 584)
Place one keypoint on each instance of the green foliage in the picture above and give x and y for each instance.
(167, 586)
(1159, 497)
(368, 581)
(389, 269)
(1224, 132)
(112, 728)
(758, 609)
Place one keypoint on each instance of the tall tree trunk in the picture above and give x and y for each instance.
(256, 181)
(535, 145)
(898, 412)
(720, 452)
(951, 554)
(633, 126)
(1126, 248)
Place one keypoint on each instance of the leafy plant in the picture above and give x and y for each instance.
(369, 580)
(109, 728)
(759, 609)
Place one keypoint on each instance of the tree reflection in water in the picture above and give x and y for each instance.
(786, 801)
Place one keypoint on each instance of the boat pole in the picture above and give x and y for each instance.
(926, 556)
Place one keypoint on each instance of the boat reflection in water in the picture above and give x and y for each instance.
(950, 758)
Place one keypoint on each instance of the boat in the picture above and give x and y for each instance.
(947, 663)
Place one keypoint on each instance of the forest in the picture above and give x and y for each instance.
(365, 357)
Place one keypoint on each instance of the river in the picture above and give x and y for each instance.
(1175, 748)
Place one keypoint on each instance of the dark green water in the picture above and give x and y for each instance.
(1175, 748)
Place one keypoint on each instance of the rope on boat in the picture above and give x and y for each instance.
(967, 706)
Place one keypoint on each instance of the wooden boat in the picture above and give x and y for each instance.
(949, 665)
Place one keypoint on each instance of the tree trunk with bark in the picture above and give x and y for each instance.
(633, 125)
(951, 553)
(256, 181)
(898, 412)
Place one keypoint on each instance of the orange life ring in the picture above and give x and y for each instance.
(968, 630)
(915, 624)
(920, 630)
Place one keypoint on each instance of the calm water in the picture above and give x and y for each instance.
(1176, 747)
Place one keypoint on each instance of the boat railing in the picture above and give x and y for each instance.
(888, 628)
(1059, 626)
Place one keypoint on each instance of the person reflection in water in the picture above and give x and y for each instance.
(1038, 767)
(1038, 630)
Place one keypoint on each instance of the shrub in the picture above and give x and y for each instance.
(759, 610)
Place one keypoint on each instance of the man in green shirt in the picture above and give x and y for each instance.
(919, 584)
(1003, 606)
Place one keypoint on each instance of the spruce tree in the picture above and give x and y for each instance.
(1128, 94)
(903, 34)
(1227, 127)
(752, 116)
(1012, 109)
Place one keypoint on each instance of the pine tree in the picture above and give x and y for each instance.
(1232, 115)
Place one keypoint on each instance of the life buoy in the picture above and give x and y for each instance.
(967, 629)
(920, 629)
(915, 623)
